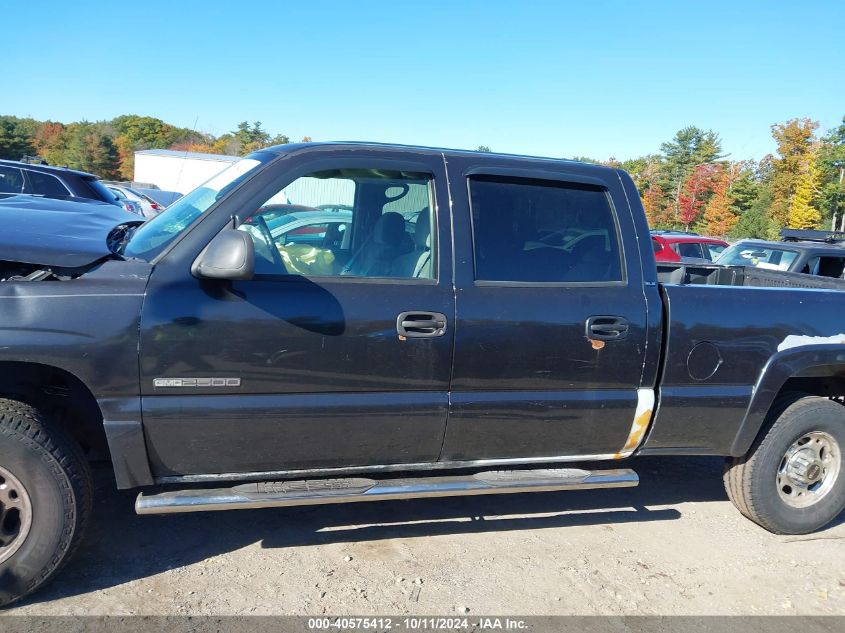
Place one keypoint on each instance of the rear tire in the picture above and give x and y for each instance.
(792, 480)
(45, 499)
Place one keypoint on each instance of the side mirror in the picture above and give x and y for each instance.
(230, 255)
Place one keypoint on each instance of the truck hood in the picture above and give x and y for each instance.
(58, 233)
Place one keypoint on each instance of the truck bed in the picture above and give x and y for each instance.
(717, 275)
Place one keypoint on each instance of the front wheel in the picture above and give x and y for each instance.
(792, 479)
(45, 499)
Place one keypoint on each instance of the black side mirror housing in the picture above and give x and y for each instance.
(230, 255)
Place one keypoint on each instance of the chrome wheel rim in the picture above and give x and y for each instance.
(809, 469)
(15, 514)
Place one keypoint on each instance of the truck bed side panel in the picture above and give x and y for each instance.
(720, 342)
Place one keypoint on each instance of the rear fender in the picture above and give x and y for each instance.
(820, 361)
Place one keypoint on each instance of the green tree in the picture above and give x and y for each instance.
(831, 166)
(246, 139)
(133, 133)
(483, 148)
(745, 188)
(15, 138)
(755, 221)
(690, 147)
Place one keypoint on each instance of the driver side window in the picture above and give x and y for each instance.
(347, 222)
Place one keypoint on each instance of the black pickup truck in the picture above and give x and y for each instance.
(450, 323)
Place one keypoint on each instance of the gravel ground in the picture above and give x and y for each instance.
(675, 545)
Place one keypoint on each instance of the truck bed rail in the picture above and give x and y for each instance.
(718, 275)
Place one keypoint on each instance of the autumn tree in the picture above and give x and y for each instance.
(89, 147)
(197, 147)
(49, 142)
(690, 147)
(695, 192)
(720, 214)
(802, 213)
(133, 133)
(654, 203)
(795, 140)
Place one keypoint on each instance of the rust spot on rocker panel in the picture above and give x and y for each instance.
(638, 430)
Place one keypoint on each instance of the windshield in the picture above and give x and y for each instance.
(757, 255)
(152, 237)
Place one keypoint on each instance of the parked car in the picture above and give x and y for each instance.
(59, 183)
(78, 223)
(808, 257)
(148, 207)
(520, 327)
(163, 198)
(675, 246)
(276, 210)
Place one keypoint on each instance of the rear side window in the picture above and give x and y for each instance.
(825, 267)
(11, 180)
(688, 249)
(46, 185)
(713, 250)
(656, 246)
(101, 192)
(542, 231)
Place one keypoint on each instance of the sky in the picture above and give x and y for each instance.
(551, 78)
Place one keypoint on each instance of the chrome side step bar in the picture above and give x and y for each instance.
(356, 489)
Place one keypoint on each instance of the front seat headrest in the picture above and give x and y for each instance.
(389, 229)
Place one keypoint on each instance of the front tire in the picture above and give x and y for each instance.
(45, 499)
(792, 481)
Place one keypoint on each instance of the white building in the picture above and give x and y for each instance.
(171, 170)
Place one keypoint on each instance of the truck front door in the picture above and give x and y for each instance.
(338, 353)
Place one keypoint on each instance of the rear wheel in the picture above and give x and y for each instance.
(792, 480)
(45, 499)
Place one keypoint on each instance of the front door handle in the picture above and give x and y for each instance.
(419, 324)
(607, 328)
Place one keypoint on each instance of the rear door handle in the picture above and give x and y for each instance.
(607, 328)
(420, 324)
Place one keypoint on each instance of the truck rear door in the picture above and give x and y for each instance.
(551, 313)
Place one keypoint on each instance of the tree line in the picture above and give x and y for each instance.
(107, 148)
(690, 184)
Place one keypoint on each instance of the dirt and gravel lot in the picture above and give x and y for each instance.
(674, 545)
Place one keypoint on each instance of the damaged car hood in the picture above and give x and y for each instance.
(60, 233)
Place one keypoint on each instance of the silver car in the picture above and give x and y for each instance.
(149, 208)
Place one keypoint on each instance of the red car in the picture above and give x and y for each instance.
(674, 246)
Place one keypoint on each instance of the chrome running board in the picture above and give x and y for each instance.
(276, 494)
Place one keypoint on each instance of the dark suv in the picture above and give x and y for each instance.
(800, 252)
(52, 182)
